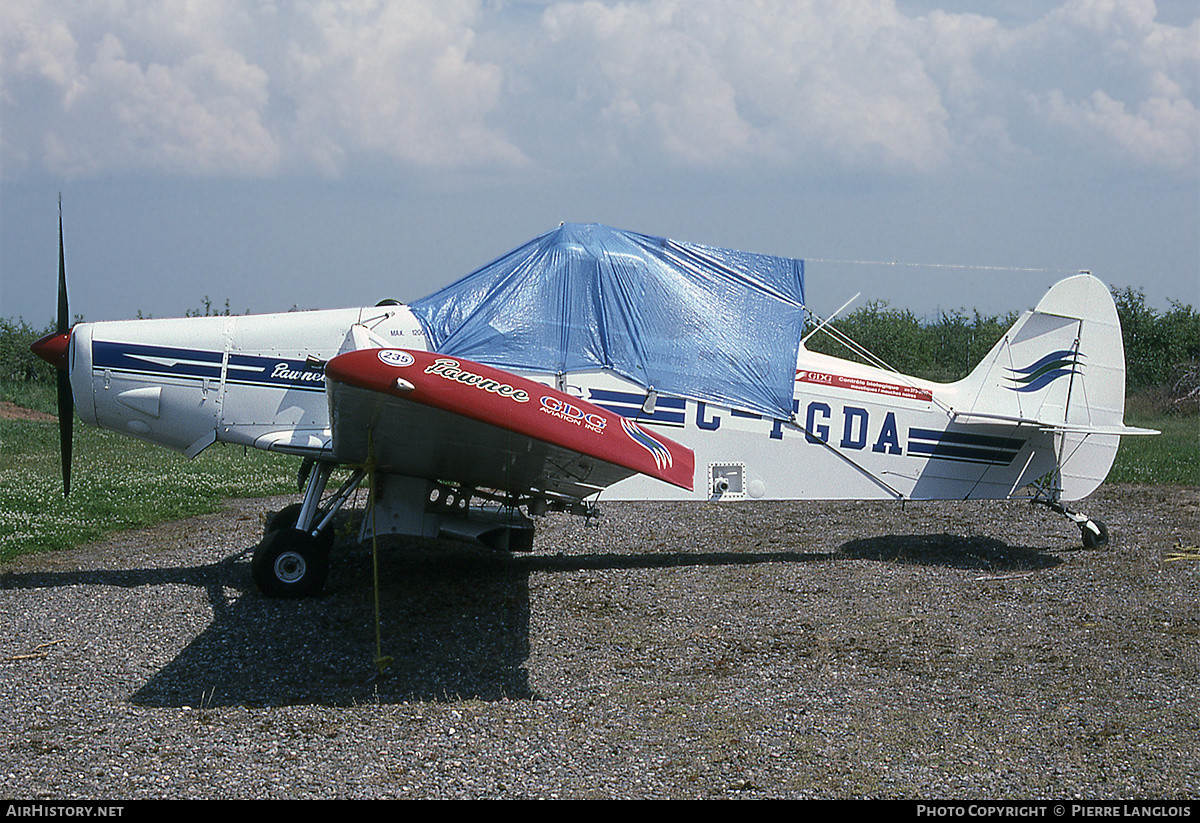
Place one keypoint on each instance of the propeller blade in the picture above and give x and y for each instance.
(55, 349)
(64, 316)
(66, 401)
(66, 424)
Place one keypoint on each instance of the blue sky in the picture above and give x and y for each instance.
(936, 155)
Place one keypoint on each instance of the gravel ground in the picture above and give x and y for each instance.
(661, 651)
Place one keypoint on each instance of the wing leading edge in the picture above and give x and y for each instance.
(427, 415)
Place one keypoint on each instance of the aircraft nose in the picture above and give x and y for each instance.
(53, 349)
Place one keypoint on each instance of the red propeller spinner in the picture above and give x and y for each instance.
(53, 349)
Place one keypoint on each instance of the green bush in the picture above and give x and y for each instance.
(17, 362)
(1161, 349)
(945, 350)
(1156, 345)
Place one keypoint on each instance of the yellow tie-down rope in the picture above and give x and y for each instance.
(1182, 552)
(381, 661)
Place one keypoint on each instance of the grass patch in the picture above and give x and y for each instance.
(42, 397)
(117, 482)
(120, 483)
(1172, 457)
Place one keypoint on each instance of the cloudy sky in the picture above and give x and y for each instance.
(936, 154)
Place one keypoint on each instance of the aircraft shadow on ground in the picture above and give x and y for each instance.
(951, 551)
(453, 620)
(450, 626)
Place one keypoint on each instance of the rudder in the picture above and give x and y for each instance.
(1061, 368)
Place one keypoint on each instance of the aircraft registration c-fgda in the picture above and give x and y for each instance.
(590, 363)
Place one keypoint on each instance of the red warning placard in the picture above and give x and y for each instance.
(838, 381)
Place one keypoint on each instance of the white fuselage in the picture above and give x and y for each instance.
(856, 432)
(254, 380)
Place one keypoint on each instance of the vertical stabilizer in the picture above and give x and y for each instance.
(1061, 367)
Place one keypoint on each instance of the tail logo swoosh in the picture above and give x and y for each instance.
(1045, 370)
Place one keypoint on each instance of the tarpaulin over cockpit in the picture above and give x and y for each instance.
(712, 324)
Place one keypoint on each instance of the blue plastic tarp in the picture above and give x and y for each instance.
(707, 323)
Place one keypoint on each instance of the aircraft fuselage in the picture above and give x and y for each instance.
(856, 431)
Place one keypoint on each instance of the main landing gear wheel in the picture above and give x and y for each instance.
(290, 563)
(285, 518)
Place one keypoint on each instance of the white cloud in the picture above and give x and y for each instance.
(1134, 98)
(394, 80)
(233, 88)
(714, 83)
(181, 102)
(197, 116)
(1163, 131)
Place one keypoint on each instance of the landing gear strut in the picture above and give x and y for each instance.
(292, 561)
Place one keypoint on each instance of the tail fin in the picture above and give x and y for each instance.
(1060, 368)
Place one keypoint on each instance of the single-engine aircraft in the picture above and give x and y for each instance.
(588, 363)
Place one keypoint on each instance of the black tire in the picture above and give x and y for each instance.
(285, 518)
(290, 563)
(1094, 539)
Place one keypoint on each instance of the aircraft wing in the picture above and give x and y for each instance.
(445, 418)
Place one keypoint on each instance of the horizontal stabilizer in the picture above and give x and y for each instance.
(1047, 425)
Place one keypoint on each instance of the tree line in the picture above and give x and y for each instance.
(1159, 346)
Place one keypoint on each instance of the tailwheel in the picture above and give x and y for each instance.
(1094, 534)
(290, 563)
